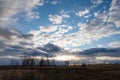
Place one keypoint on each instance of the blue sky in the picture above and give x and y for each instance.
(74, 13)
(74, 25)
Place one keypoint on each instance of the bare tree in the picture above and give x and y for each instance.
(42, 62)
(66, 63)
(83, 66)
(47, 62)
(28, 61)
(53, 63)
(14, 62)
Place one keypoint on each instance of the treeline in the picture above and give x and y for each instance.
(32, 61)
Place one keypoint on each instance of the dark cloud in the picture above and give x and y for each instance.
(2, 44)
(26, 35)
(35, 52)
(41, 51)
(93, 55)
(5, 33)
(101, 52)
(13, 42)
(12, 51)
(50, 48)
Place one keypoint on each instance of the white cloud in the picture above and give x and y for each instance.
(64, 14)
(96, 14)
(56, 35)
(97, 30)
(56, 19)
(87, 33)
(80, 24)
(54, 2)
(87, 16)
(34, 32)
(10, 8)
(94, 30)
(82, 13)
(113, 14)
(102, 16)
(114, 44)
(48, 29)
(100, 46)
(33, 15)
(95, 3)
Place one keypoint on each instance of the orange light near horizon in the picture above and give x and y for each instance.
(107, 58)
(67, 58)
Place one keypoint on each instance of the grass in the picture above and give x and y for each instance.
(92, 72)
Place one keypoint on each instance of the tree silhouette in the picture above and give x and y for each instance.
(42, 62)
(66, 63)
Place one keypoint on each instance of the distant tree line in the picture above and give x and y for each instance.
(41, 62)
(31, 61)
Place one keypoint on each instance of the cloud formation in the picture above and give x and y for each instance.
(102, 54)
(57, 34)
(114, 44)
(60, 37)
(54, 2)
(55, 19)
(10, 8)
(113, 14)
(93, 55)
(82, 13)
(9, 13)
(59, 18)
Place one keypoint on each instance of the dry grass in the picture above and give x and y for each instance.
(92, 72)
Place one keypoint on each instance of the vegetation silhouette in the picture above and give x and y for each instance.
(46, 69)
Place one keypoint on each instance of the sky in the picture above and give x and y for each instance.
(68, 29)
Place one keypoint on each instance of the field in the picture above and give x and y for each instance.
(88, 72)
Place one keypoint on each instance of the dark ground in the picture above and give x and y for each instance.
(89, 72)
